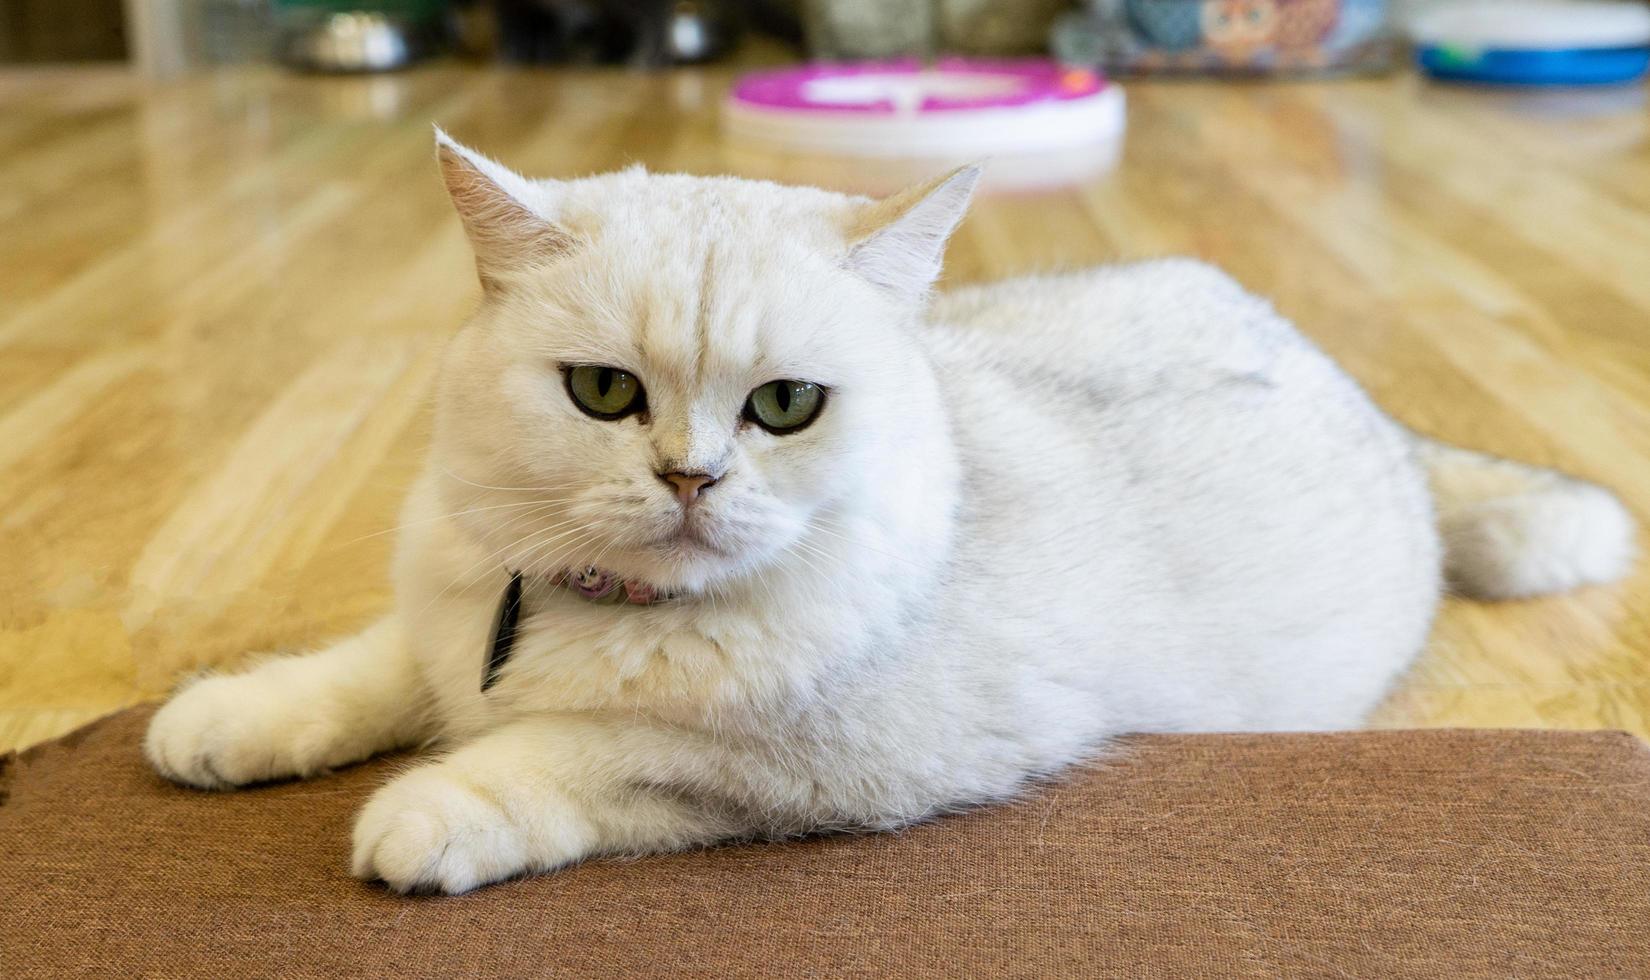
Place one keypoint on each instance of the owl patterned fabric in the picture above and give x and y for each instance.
(1242, 36)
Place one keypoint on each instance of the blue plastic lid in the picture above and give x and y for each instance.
(1575, 66)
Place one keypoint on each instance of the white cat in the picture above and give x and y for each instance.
(864, 561)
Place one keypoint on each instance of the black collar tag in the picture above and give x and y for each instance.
(504, 632)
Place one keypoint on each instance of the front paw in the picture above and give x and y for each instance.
(429, 831)
(229, 731)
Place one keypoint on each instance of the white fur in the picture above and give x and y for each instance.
(1514, 531)
(1056, 510)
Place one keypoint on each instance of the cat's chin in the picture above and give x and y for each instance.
(684, 565)
(692, 572)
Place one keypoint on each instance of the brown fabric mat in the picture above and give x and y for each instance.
(1378, 854)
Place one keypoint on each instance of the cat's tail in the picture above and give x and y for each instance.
(1511, 531)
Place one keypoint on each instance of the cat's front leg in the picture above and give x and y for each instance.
(533, 796)
(293, 715)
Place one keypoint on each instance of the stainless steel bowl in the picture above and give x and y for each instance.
(353, 41)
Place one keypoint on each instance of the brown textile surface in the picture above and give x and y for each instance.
(1377, 854)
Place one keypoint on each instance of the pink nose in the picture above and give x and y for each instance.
(688, 485)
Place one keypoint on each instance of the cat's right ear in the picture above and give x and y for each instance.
(505, 231)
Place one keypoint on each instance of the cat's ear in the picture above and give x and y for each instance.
(506, 233)
(899, 241)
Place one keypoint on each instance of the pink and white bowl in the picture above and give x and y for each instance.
(954, 108)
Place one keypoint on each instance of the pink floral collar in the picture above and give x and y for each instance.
(601, 585)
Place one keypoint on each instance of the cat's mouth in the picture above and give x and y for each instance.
(687, 541)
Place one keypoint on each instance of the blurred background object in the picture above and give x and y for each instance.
(1232, 37)
(169, 37)
(1040, 124)
(844, 29)
(998, 27)
(1534, 42)
(61, 30)
(352, 35)
(1248, 38)
(642, 33)
(839, 29)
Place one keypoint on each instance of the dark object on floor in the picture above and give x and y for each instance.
(1457, 854)
(639, 33)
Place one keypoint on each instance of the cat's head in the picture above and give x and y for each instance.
(682, 378)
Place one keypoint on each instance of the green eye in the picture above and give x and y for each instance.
(605, 392)
(785, 405)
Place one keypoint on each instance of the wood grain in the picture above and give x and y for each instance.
(221, 301)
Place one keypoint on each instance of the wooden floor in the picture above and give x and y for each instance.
(221, 303)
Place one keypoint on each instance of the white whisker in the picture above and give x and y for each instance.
(443, 517)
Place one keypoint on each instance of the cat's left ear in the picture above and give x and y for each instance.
(497, 207)
(899, 241)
